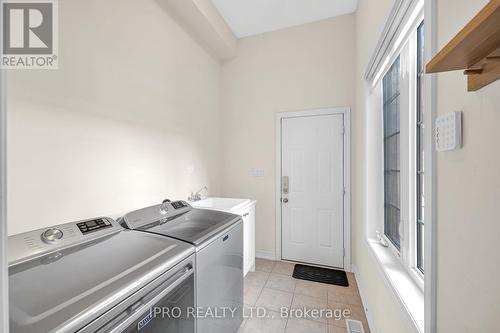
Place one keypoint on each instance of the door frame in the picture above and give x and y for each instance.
(346, 112)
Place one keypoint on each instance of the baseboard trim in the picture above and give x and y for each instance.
(363, 299)
(265, 254)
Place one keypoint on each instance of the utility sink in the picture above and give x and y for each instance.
(226, 204)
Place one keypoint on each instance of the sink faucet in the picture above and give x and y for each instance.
(196, 196)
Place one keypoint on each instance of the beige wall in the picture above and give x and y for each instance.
(468, 192)
(304, 67)
(468, 186)
(135, 112)
(383, 308)
(310, 66)
(132, 116)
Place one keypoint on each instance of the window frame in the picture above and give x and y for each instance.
(411, 263)
(402, 280)
(407, 254)
(420, 129)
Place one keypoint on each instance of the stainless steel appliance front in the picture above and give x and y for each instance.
(84, 277)
(218, 238)
(166, 307)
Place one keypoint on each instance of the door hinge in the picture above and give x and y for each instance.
(344, 252)
(343, 130)
(345, 191)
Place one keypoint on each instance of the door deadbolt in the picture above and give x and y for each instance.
(285, 183)
(285, 200)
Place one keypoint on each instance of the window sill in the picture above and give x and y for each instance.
(409, 295)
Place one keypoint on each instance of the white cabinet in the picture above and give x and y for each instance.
(248, 215)
(246, 209)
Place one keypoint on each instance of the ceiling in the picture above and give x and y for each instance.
(251, 17)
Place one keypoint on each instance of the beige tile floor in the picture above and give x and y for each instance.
(272, 287)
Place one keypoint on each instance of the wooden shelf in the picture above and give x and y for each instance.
(475, 49)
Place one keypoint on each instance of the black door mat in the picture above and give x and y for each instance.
(323, 275)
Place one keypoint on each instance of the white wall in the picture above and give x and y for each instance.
(304, 67)
(383, 308)
(132, 116)
(468, 195)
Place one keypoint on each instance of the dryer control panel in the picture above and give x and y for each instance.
(154, 214)
(179, 204)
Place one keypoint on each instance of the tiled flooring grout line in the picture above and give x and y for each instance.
(293, 293)
(330, 296)
(288, 318)
(242, 328)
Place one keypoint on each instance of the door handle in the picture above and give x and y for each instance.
(285, 184)
(141, 306)
(285, 200)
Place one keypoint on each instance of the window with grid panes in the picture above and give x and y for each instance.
(391, 111)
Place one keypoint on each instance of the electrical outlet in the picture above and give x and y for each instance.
(257, 172)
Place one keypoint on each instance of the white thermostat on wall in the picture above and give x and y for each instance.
(449, 131)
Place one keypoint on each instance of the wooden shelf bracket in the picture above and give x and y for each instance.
(475, 49)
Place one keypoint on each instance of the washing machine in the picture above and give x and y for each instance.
(95, 276)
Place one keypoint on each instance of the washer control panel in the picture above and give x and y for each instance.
(39, 242)
(52, 235)
(93, 225)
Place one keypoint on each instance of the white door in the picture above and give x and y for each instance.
(312, 188)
